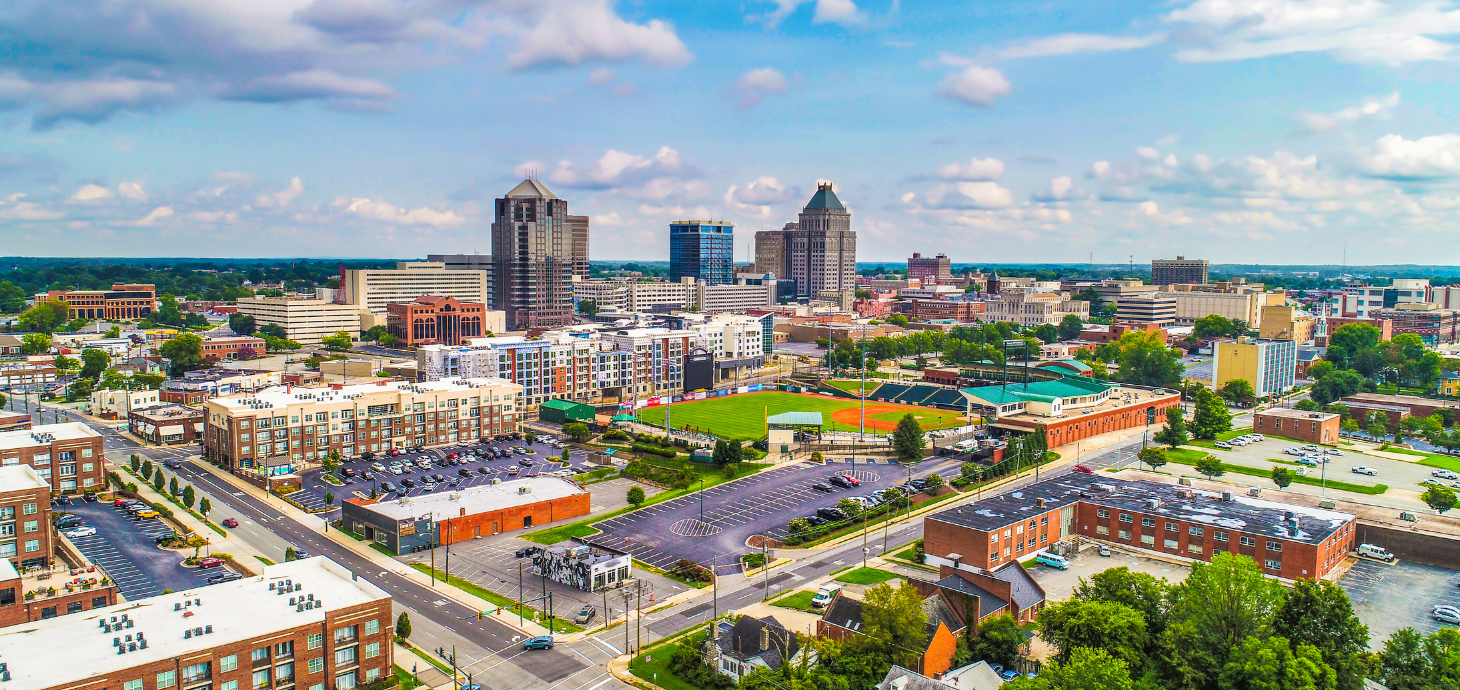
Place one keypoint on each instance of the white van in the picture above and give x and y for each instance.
(1052, 560)
(824, 595)
(1377, 553)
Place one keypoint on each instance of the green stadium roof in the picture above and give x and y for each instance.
(795, 419)
(623, 418)
(1067, 387)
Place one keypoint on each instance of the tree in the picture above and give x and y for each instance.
(146, 469)
(1213, 326)
(1336, 385)
(373, 333)
(1211, 417)
(970, 471)
(172, 487)
(1070, 327)
(1282, 476)
(389, 340)
(1145, 360)
(1153, 456)
(1210, 466)
(184, 353)
(189, 495)
(329, 498)
(1087, 669)
(1239, 391)
(93, 362)
(588, 308)
(159, 482)
(341, 340)
(1047, 332)
(1439, 498)
(1376, 428)
(290, 554)
(933, 481)
(853, 509)
(1348, 340)
(1320, 369)
(1140, 591)
(893, 623)
(1403, 664)
(1307, 405)
(999, 640)
(897, 320)
(64, 363)
(1271, 664)
(80, 389)
(908, 439)
(403, 626)
(273, 330)
(1174, 433)
(636, 496)
(577, 431)
(205, 507)
(242, 324)
(12, 297)
(135, 462)
(1219, 605)
(45, 317)
(1114, 628)
(35, 343)
(1318, 613)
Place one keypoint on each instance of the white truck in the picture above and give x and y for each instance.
(824, 595)
(1372, 552)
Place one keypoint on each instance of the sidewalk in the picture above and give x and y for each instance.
(242, 552)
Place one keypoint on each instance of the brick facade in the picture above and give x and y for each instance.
(70, 459)
(1310, 427)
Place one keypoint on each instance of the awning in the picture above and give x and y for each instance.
(172, 430)
(1012, 427)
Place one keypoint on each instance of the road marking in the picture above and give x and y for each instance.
(616, 651)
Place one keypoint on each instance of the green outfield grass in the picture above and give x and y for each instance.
(743, 416)
(852, 386)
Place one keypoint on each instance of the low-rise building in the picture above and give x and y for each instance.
(408, 524)
(586, 567)
(1269, 365)
(306, 321)
(26, 377)
(1285, 322)
(433, 319)
(123, 301)
(1019, 305)
(26, 537)
(228, 347)
(167, 425)
(14, 421)
(958, 310)
(1299, 425)
(944, 625)
(68, 456)
(1070, 408)
(308, 623)
(47, 588)
(1154, 310)
(114, 403)
(10, 345)
(197, 386)
(1399, 406)
(1433, 325)
(740, 647)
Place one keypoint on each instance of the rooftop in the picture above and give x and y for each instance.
(71, 649)
(1066, 387)
(1296, 414)
(825, 198)
(19, 478)
(44, 434)
(476, 499)
(1242, 513)
(531, 189)
(1387, 399)
(283, 396)
(168, 413)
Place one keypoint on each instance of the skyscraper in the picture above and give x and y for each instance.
(702, 249)
(532, 255)
(818, 252)
(1178, 271)
(770, 251)
(579, 253)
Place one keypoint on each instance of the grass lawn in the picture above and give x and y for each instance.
(405, 679)
(439, 664)
(1444, 462)
(1183, 456)
(653, 665)
(866, 576)
(688, 583)
(742, 417)
(801, 601)
(1224, 436)
(907, 554)
(853, 386)
(559, 625)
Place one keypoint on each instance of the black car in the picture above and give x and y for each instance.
(439, 477)
(173, 464)
(224, 577)
(367, 474)
(484, 470)
(825, 488)
(62, 500)
(345, 471)
(838, 480)
(367, 455)
(526, 551)
(814, 520)
(68, 521)
(831, 513)
(387, 486)
(464, 472)
(409, 483)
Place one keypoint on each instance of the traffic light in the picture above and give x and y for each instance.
(480, 614)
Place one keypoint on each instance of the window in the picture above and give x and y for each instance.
(29, 509)
(993, 538)
(261, 678)
(284, 650)
(197, 672)
(1102, 529)
(1193, 548)
(31, 525)
(1148, 522)
(316, 664)
(284, 674)
(1171, 544)
(345, 681)
(1274, 565)
(372, 627)
(1148, 539)
(1219, 535)
(993, 557)
(1173, 527)
(372, 674)
(260, 655)
(32, 545)
(372, 650)
(1125, 517)
(166, 679)
(314, 641)
(346, 634)
(228, 685)
(1247, 541)
(1102, 513)
(1044, 520)
(345, 657)
(132, 685)
(1275, 546)
(1195, 531)
(1124, 534)
(228, 663)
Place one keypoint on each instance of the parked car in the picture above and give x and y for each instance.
(525, 551)
(1310, 462)
(539, 642)
(814, 520)
(513, 469)
(409, 483)
(1446, 615)
(1445, 474)
(1364, 469)
(1104, 550)
(347, 472)
(824, 488)
(378, 467)
(1333, 451)
(1432, 482)
(439, 477)
(525, 462)
(367, 475)
(853, 480)
(66, 521)
(78, 532)
(484, 470)
(464, 472)
(388, 487)
(394, 452)
(1292, 451)
(838, 480)
(210, 562)
(1009, 674)
(427, 479)
(585, 614)
(229, 576)
(147, 514)
(1223, 444)
(831, 513)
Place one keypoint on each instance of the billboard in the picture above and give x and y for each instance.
(699, 370)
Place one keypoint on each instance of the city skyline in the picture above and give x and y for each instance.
(999, 133)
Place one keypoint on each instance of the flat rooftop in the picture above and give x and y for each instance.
(20, 478)
(1242, 513)
(477, 499)
(169, 413)
(283, 396)
(72, 649)
(1402, 400)
(38, 435)
(1289, 413)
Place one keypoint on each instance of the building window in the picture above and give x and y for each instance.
(1171, 544)
(1274, 565)
(372, 627)
(197, 672)
(284, 650)
(345, 657)
(261, 679)
(1148, 522)
(32, 545)
(228, 685)
(1195, 531)
(1274, 546)
(260, 655)
(1125, 517)
(1102, 529)
(166, 679)
(1124, 534)
(345, 681)
(1247, 541)
(1148, 539)
(228, 663)
(345, 635)
(314, 641)
(1102, 513)
(316, 664)
(993, 557)
(1172, 527)
(132, 685)
(372, 650)
(1193, 548)
(1219, 535)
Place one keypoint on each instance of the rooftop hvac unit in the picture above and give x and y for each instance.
(1226, 496)
(496, 480)
(524, 489)
(1153, 503)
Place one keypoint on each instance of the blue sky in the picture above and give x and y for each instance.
(1277, 131)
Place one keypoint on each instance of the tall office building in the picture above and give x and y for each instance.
(930, 269)
(1177, 271)
(818, 252)
(371, 289)
(468, 262)
(532, 253)
(579, 253)
(702, 249)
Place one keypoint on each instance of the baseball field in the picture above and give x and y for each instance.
(743, 416)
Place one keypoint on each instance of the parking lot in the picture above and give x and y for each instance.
(1390, 597)
(1060, 584)
(1262, 454)
(125, 547)
(763, 503)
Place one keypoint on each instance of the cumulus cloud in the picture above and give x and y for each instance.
(761, 195)
(15, 207)
(754, 85)
(1373, 31)
(1060, 188)
(132, 191)
(975, 85)
(1371, 108)
(92, 192)
(575, 31)
(1427, 157)
(282, 197)
(844, 12)
(151, 218)
(384, 212)
(971, 195)
(975, 170)
(666, 175)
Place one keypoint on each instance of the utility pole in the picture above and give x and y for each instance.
(765, 563)
(639, 616)
(714, 587)
(519, 594)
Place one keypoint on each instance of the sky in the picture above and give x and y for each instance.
(1241, 131)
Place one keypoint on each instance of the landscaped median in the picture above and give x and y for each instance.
(505, 604)
(1189, 457)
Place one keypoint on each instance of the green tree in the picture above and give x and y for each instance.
(893, 623)
(1153, 456)
(329, 498)
(1439, 498)
(853, 509)
(1210, 466)
(242, 324)
(1047, 332)
(135, 462)
(184, 353)
(172, 487)
(1212, 326)
(93, 362)
(341, 340)
(1403, 664)
(146, 469)
(636, 496)
(386, 340)
(159, 482)
(64, 363)
(1318, 613)
(35, 343)
(1070, 327)
(933, 482)
(1377, 428)
(1219, 605)
(1271, 664)
(999, 640)
(1114, 628)
(897, 320)
(189, 495)
(1307, 405)
(1336, 385)
(1239, 391)
(588, 308)
(1146, 361)
(205, 507)
(1282, 476)
(1140, 591)
(908, 439)
(1174, 433)
(45, 317)
(290, 554)
(403, 626)
(113, 332)
(12, 297)
(1088, 669)
(1348, 340)
(970, 471)
(1320, 369)
(1211, 417)
(373, 333)
(577, 431)
(80, 389)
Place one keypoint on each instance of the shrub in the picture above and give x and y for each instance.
(615, 435)
(654, 450)
(753, 560)
(918, 554)
(689, 570)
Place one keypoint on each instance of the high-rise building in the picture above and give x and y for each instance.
(579, 253)
(930, 269)
(702, 249)
(1269, 365)
(372, 289)
(1178, 270)
(468, 262)
(532, 250)
(770, 251)
(818, 252)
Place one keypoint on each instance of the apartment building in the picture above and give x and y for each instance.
(25, 523)
(372, 290)
(123, 301)
(1016, 305)
(306, 624)
(532, 246)
(68, 456)
(1287, 541)
(552, 366)
(1269, 365)
(1178, 270)
(1433, 325)
(930, 269)
(167, 425)
(746, 292)
(216, 348)
(112, 403)
(306, 321)
(271, 431)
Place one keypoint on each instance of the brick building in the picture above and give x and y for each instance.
(67, 456)
(26, 537)
(14, 421)
(215, 349)
(1071, 408)
(1397, 407)
(944, 625)
(123, 301)
(1433, 325)
(462, 515)
(48, 588)
(27, 376)
(307, 624)
(1101, 334)
(167, 425)
(1309, 427)
(435, 320)
(936, 309)
(1287, 541)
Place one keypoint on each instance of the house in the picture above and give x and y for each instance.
(746, 644)
(843, 620)
(976, 592)
(975, 676)
(10, 345)
(1449, 383)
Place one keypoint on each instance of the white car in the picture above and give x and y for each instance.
(1364, 469)
(1292, 451)
(378, 467)
(1259, 437)
(1446, 614)
(77, 532)
(1333, 451)
(1445, 474)
(1223, 444)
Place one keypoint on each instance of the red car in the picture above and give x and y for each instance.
(210, 562)
(852, 479)
(230, 522)
(395, 451)
(452, 456)
(120, 501)
(1084, 469)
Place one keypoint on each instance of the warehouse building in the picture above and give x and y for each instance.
(413, 523)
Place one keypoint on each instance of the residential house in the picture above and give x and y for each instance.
(843, 620)
(746, 644)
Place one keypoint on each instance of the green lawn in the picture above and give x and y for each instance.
(559, 625)
(801, 601)
(653, 665)
(1444, 462)
(1184, 456)
(1224, 436)
(866, 576)
(742, 417)
(853, 386)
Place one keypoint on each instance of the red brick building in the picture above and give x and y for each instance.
(936, 309)
(168, 425)
(463, 515)
(68, 456)
(435, 320)
(1287, 541)
(1309, 427)
(1397, 406)
(1071, 408)
(26, 536)
(123, 301)
(228, 347)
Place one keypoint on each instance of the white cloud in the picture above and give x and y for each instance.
(842, 12)
(657, 178)
(1351, 30)
(92, 192)
(760, 196)
(151, 219)
(1369, 109)
(132, 191)
(976, 170)
(1427, 157)
(310, 85)
(975, 85)
(282, 197)
(1069, 44)
(754, 85)
(600, 76)
(576, 31)
(971, 195)
(14, 207)
(1060, 188)
(384, 212)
